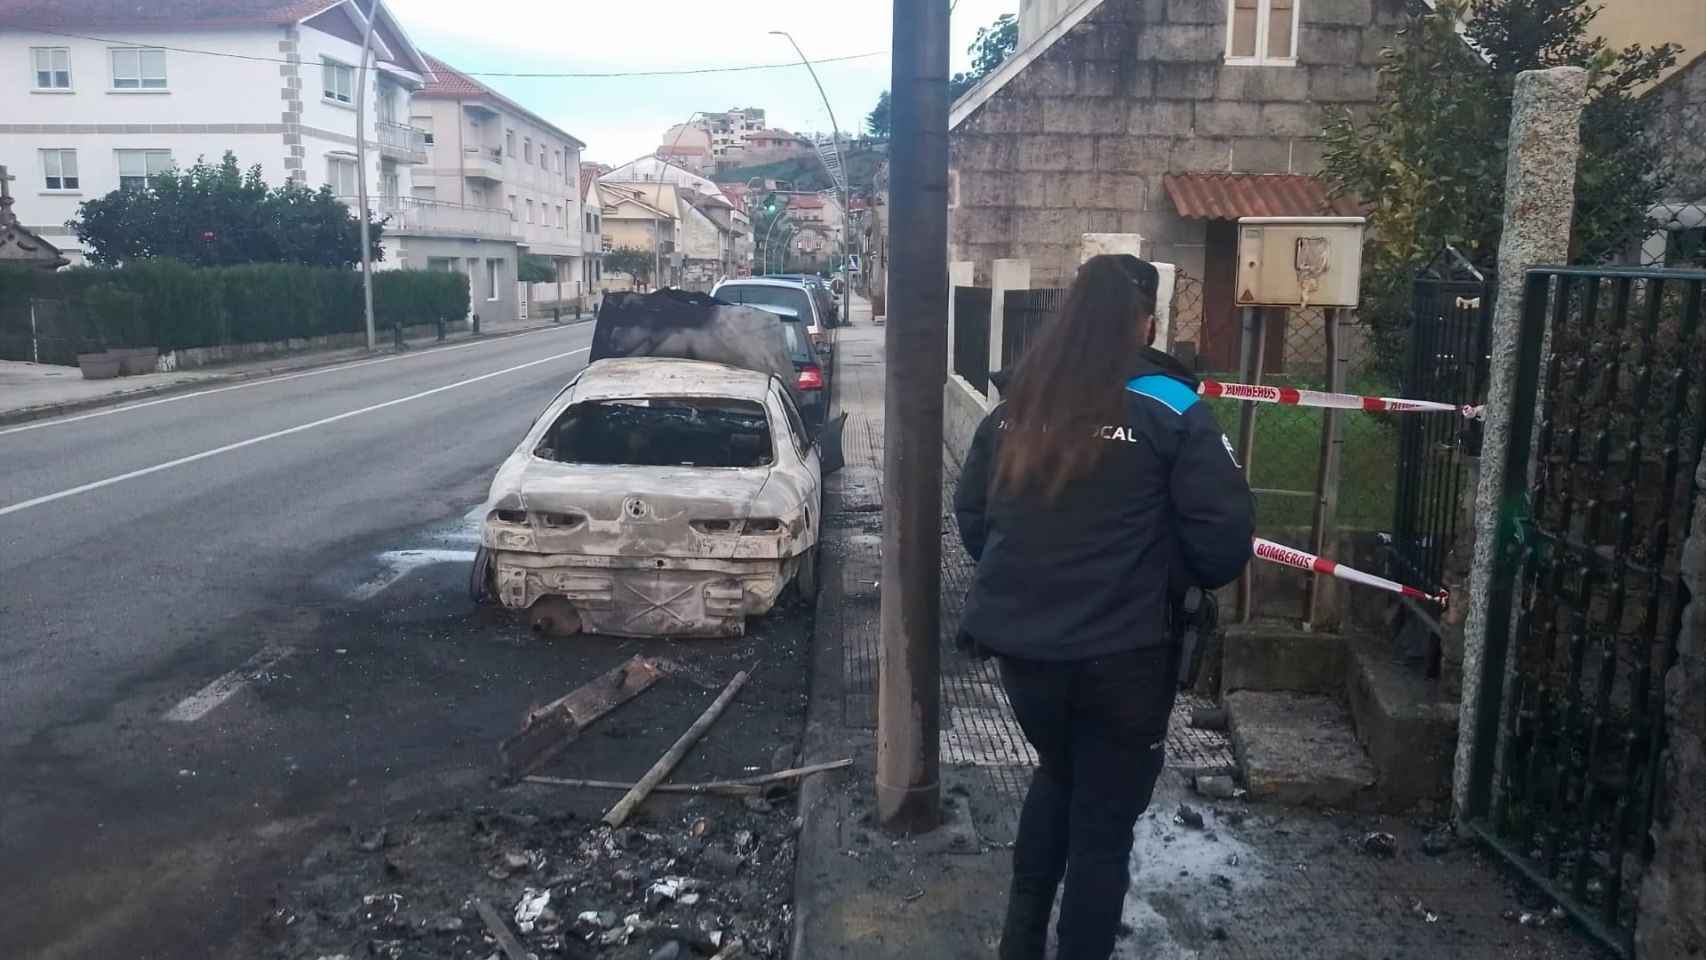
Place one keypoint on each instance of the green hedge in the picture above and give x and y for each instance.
(169, 305)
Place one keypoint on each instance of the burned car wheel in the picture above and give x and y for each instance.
(805, 578)
(480, 579)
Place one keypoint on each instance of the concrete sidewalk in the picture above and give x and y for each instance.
(1254, 881)
(36, 391)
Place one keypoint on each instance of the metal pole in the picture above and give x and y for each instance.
(35, 339)
(1254, 349)
(1325, 523)
(909, 662)
(841, 158)
(361, 171)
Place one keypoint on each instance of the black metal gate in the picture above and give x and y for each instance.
(971, 335)
(1450, 321)
(1023, 313)
(1586, 604)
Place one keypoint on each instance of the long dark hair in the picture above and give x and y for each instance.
(1072, 378)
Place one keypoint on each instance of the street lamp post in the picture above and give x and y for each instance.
(765, 243)
(361, 169)
(839, 181)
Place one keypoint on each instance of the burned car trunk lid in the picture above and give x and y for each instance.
(621, 511)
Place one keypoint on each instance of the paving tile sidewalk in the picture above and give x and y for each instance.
(31, 391)
(1257, 881)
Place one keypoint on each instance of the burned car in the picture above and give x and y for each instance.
(660, 496)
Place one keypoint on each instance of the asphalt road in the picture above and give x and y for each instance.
(235, 620)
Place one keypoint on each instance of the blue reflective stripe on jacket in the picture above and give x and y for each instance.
(1165, 390)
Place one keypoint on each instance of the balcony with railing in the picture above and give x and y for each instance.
(483, 163)
(416, 217)
(401, 142)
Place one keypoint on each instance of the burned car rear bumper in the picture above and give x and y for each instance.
(646, 596)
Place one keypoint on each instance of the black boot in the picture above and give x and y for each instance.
(1024, 936)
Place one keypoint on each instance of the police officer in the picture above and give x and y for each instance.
(1092, 498)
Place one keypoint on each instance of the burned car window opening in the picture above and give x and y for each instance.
(662, 432)
(793, 297)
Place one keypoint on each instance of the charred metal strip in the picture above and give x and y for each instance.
(1619, 941)
(1594, 784)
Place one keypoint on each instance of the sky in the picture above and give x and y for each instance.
(623, 118)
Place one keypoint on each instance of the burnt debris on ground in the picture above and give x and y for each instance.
(691, 873)
(711, 872)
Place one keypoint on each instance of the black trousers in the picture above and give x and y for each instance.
(1099, 728)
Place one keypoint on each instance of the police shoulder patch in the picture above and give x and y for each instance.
(1166, 391)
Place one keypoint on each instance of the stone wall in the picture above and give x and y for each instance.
(1672, 920)
(1679, 123)
(1078, 141)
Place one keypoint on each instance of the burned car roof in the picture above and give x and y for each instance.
(681, 325)
(622, 378)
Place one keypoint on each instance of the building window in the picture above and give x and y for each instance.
(340, 176)
(514, 211)
(337, 81)
(52, 66)
(509, 142)
(493, 269)
(562, 221)
(530, 211)
(59, 170)
(137, 167)
(139, 68)
(527, 150)
(1262, 31)
(387, 103)
(390, 184)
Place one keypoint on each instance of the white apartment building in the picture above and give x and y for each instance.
(272, 81)
(489, 159)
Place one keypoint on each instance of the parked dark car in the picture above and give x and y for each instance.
(827, 303)
(812, 378)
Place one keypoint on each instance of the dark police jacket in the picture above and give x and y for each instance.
(1091, 574)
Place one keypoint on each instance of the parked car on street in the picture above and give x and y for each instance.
(673, 488)
(811, 377)
(656, 497)
(794, 294)
(828, 304)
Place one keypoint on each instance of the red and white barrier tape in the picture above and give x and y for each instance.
(1287, 557)
(1292, 396)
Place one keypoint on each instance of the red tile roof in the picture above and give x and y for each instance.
(449, 83)
(162, 14)
(1228, 196)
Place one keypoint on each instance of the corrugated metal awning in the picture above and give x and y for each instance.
(1228, 196)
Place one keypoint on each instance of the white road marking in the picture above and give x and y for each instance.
(318, 371)
(199, 704)
(400, 563)
(227, 448)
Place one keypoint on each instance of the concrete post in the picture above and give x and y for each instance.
(961, 273)
(1671, 923)
(1164, 306)
(1540, 193)
(1004, 275)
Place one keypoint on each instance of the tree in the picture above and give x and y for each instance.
(991, 47)
(633, 262)
(1429, 160)
(536, 269)
(211, 215)
(877, 121)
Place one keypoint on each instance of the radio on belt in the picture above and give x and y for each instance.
(1299, 261)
